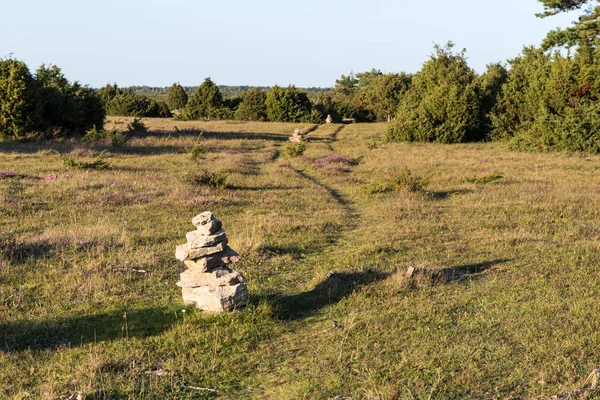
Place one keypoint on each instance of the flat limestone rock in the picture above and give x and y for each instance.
(196, 239)
(227, 256)
(184, 252)
(202, 218)
(221, 276)
(217, 299)
(209, 228)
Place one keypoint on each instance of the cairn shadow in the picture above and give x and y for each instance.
(78, 331)
(20, 252)
(415, 277)
(446, 194)
(336, 287)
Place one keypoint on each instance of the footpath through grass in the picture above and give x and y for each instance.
(502, 303)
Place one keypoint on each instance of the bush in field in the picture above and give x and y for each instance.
(382, 94)
(99, 163)
(126, 103)
(65, 106)
(288, 105)
(205, 103)
(253, 106)
(19, 99)
(217, 179)
(550, 101)
(137, 125)
(490, 89)
(404, 180)
(177, 98)
(442, 104)
(46, 102)
(295, 149)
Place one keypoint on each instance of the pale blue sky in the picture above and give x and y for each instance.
(260, 42)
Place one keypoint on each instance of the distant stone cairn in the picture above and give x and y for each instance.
(208, 282)
(296, 137)
(329, 119)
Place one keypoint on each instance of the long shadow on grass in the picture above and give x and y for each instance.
(334, 193)
(77, 331)
(446, 194)
(333, 289)
(424, 277)
(339, 285)
(193, 133)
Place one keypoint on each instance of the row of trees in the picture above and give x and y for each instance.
(545, 100)
(365, 97)
(125, 102)
(542, 99)
(44, 102)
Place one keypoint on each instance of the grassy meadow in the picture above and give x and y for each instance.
(502, 302)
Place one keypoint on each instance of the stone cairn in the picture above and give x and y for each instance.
(329, 120)
(208, 282)
(296, 137)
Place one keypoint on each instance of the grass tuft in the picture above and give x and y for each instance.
(99, 163)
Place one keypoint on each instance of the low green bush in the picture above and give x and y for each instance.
(295, 149)
(217, 179)
(137, 125)
(99, 163)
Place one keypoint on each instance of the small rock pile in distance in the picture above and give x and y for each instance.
(208, 282)
(297, 136)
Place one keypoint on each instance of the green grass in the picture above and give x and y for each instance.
(503, 303)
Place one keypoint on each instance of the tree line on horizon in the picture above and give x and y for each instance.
(546, 98)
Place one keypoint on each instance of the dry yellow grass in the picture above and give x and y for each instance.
(88, 300)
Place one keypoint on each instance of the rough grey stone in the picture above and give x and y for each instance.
(202, 218)
(216, 299)
(184, 252)
(209, 228)
(227, 256)
(221, 276)
(196, 239)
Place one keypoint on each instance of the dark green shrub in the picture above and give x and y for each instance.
(287, 105)
(205, 178)
(126, 103)
(253, 106)
(177, 98)
(198, 151)
(377, 188)
(19, 99)
(550, 102)
(442, 104)
(93, 134)
(118, 138)
(137, 125)
(294, 149)
(406, 180)
(206, 103)
(381, 95)
(99, 163)
(67, 107)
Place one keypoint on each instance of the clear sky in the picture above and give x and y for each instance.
(259, 42)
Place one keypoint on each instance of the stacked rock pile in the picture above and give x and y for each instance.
(208, 282)
(297, 136)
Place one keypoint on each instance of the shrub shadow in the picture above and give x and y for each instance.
(333, 289)
(446, 194)
(71, 332)
(20, 252)
(423, 277)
